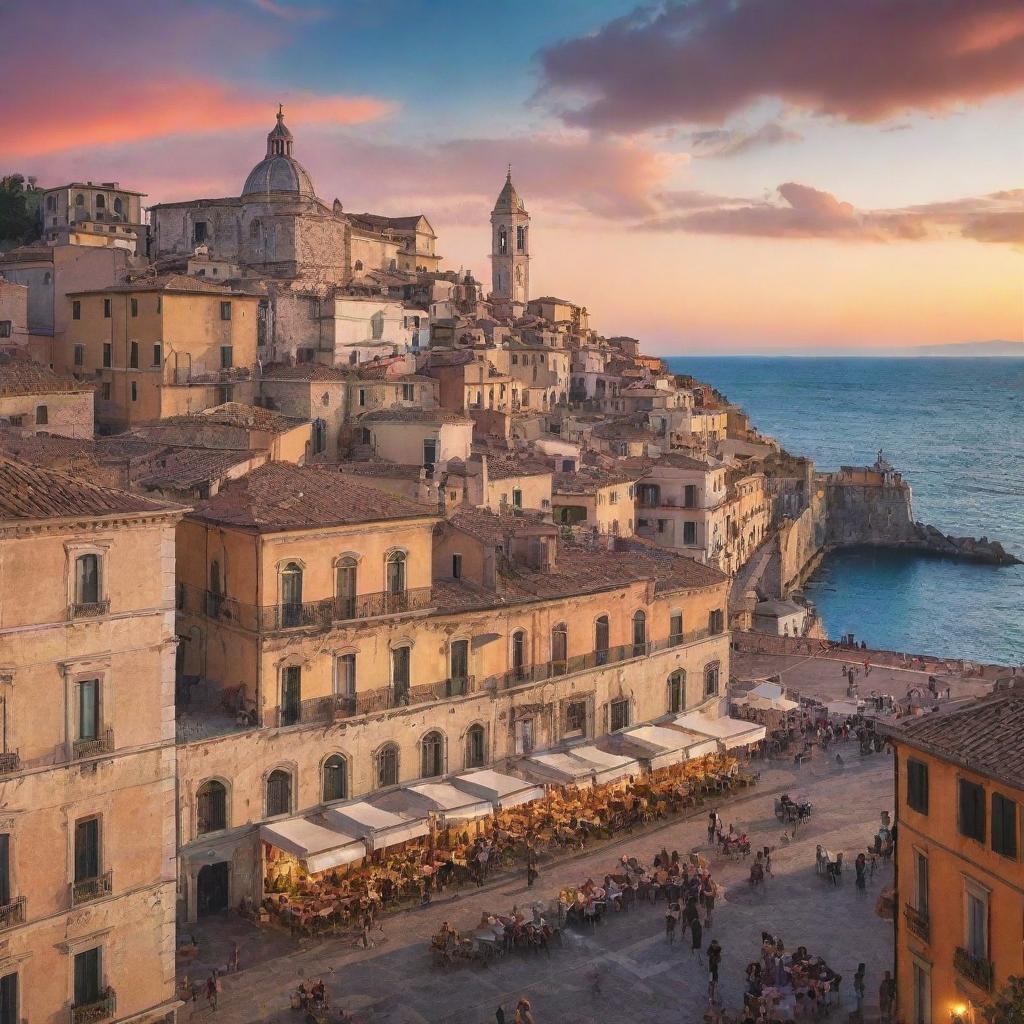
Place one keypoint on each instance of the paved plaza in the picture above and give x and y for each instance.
(623, 970)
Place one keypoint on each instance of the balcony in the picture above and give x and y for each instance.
(9, 762)
(100, 1009)
(89, 609)
(344, 609)
(89, 889)
(12, 914)
(103, 743)
(917, 922)
(977, 970)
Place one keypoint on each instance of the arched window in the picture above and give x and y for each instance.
(118, 205)
(51, 202)
(559, 649)
(347, 581)
(639, 633)
(677, 692)
(101, 202)
(79, 200)
(711, 679)
(502, 241)
(211, 807)
(387, 765)
(291, 694)
(476, 754)
(432, 763)
(291, 594)
(279, 793)
(335, 779)
(87, 579)
(401, 675)
(393, 265)
(601, 640)
(255, 230)
(519, 654)
(358, 265)
(396, 564)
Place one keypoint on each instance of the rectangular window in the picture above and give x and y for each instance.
(690, 496)
(921, 883)
(618, 715)
(972, 810)
(87, 849)
(456, 567)
(88, 709)
(917, 786)
(347, 675)
(689, 532)
(76, 310)
(9, 999)
(362, 396)
(158, 357)
(135, 391)
(227, 357)
(922, 995)
(5, 876)
(106, 309)
(5, 328)
(976, 925)
(199, 232)
(662, 525)
(576, 717)
(1004, 825)
(429, 451)
(675, 629)
(408, 393)
(42, 415)
(716, 621)
(133, 355)
(159, 303)
(517, 497)
(400, 671)
(135, 307)
(225, 311)
(291, 695)
(107, 353)
(87, 579)
(105, 392)
(460, 659)
(88, 982)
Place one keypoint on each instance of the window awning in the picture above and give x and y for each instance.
(500, 789)
(607, 767)
(378, 827)
(729, 732)
(318, 846)
(558, 766)
(452, 803)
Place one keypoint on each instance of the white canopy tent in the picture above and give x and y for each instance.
(606, 766)
(664, 746)
(559, 766)
(318, 846)
(845, 708)
(768, 697)
(452, 804)
(378, 827)
(729, 732)
(499, 789)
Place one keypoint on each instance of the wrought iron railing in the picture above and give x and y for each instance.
(97, 1010)
(917, 922)
(976, 969)
(88, 889)
(12, 913)
(89, 609)
(102, 743)
(9, 761)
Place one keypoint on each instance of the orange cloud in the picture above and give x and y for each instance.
(120, 113)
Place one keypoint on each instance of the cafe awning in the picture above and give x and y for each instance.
(452, 803)
(378, 827)
(320, 847)
(729, 732)
(559, 766)
(606, 766)
(658, 746)
(500, 789)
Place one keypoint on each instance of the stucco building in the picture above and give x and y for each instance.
(36, 400)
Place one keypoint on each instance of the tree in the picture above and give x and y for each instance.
(17, 222)
(1007, 1005)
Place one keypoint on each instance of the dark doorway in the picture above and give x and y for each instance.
(212, 888)
(9, 999)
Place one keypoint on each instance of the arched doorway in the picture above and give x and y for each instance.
(212, 888)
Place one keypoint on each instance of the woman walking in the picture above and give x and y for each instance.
(697, 935)
(671, 920)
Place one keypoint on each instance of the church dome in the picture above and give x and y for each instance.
(279, 172)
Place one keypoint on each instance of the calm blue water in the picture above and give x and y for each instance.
(955, 428)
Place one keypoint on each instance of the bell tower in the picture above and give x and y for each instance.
(510, 252)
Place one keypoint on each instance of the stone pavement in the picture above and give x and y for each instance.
(624, 970)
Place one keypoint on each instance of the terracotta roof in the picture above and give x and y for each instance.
(985, 736)
(22, 377)
(182, 468)
(379, 468)
(283, 496)
(29, 492)
(236, 414)
(589, 480)
(679, 461)
(187, 283)
(493, 527)
(306, 372)
(505, 466)
(375, 220)
(413, 414)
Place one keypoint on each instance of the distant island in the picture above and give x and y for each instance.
(966, 348)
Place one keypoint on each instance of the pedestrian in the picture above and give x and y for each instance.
(714, 961)
(886, 993)
(368, 943)
(499, 1015)
(234, 962)
(671, 921)
(211, 991)
(712, 823)
(697, 935)
(707, 898)
(523, 1013)
(860, 866)
(531, 875)
(858, 986)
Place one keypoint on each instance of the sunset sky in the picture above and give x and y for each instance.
(713, 176)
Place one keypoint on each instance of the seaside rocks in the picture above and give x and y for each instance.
(988, 552)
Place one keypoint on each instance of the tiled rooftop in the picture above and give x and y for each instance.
(28, 492)
(236, 414)
(306, 372)
(985, 736)
(413, 414)
(182, 468)
(184, 283)
(589, 480)
(507, 465)
(23, 377)
(283, 496)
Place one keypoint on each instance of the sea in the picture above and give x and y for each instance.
(955, 428)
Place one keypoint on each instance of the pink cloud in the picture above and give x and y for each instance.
(864, 60)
